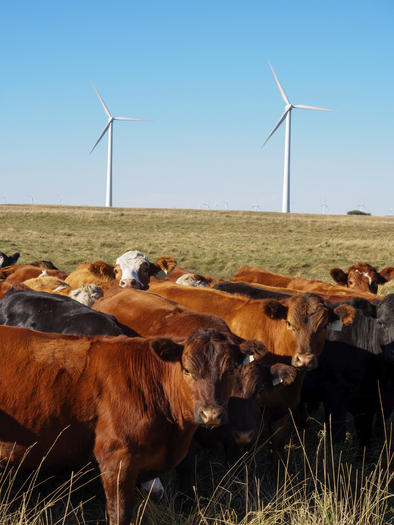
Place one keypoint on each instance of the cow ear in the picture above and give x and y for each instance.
(344, 312)
(282, 375)
(385, 275)
(103, 268)
(14, 258)
(339, 276)
(274, 309)
(166, 349)
(162, 266)
(252, 347)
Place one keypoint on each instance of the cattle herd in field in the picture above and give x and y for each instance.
(123, 365)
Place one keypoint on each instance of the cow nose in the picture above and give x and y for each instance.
(212, 416)
(129, 283)
(306, 361)
(243, 437)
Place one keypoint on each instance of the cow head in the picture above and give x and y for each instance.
(207, 361)
(6, 260)
(305, 319)
(363, 277)
(133, 269)
(254, 382)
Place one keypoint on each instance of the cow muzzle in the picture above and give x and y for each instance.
(211, 416)
(243, 437)
(304, 361)
(130, 283)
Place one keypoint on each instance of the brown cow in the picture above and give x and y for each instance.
(285, 283)
(293, 330)
(362, 276)
(5, 286)
(132, 270)
(23, 272)
(131, 404)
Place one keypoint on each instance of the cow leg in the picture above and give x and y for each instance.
(278, 433)
(186, 473)
(119, 479)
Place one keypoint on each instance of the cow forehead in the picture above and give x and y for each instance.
(207, 358)
(307, 309)
(131, 262)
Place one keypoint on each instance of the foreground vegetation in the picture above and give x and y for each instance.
(318, 485)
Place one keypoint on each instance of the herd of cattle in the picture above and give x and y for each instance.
(96, 367)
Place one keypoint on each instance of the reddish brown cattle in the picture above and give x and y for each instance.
(5, 286)
(293, 285)
(23, 272)
(178, 273)
(131, 404)
(155, 315)
(362, 276)
(293, 330)
(132, 270)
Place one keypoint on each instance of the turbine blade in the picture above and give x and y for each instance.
(299, 106)
(282, 118)
(102, 102)
(102, 134)
(139, 119)
(282, 91)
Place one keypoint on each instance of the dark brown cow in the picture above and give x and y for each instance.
(5, 286)
(131, 404)
(362, 276)
(293, 330)
(132, 269)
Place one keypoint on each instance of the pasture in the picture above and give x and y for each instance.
(320, 485)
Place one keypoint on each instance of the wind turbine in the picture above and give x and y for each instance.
(256, 206)
(361, 206)
(108, 199)
(31, 197)
(60, 198)
(287, 115)
(225, 205)
(324, 205)
(390, 212)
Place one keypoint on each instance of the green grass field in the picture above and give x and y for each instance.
(318, 485)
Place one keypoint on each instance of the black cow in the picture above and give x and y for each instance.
(6, 260)
(253, 382)
(249, 291)
(47, 312)
(354, 372)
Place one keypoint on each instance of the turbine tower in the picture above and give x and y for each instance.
(108, 199)
(287, 115)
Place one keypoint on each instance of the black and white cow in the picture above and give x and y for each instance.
(6, 260)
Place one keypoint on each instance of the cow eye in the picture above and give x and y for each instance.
(381, 323)
(350, 282)
(146, 270)
(116, 271)
(186, 371)
(231, 372)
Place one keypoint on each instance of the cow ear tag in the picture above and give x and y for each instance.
(277, 381)
(161, 275)
(336, 326)
(248, 359)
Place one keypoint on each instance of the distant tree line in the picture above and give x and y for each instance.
(357, 212)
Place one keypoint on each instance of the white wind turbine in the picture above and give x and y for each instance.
(108, 127)
(287, 115)
(324, 205)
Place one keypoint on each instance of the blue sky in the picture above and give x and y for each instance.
(199, 70)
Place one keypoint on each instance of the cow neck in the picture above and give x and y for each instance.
(179, 403)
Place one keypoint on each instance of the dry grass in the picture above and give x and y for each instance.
(214, 242)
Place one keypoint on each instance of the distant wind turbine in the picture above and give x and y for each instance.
(108, 199)
(256, 206)
(216, 206)
(31, 197)
(207, 205)
(60, 198)
(361, 206)
(225, 205)
(390, 212)
(324, 205)
(287, 115)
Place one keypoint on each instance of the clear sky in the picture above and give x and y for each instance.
(199, 70)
